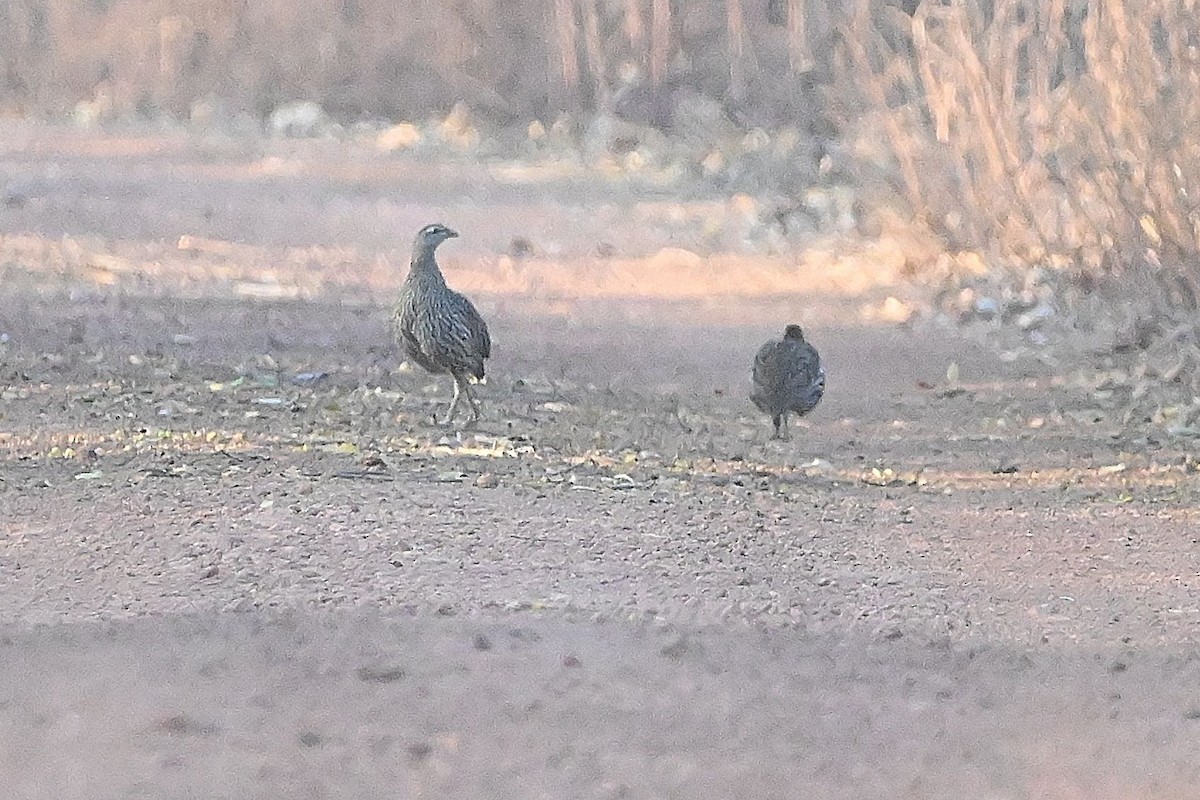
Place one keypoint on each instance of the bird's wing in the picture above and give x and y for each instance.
(804, 376)
(484, 339)
(454, 336)
(768, 389)
(477, 330)
(407, 339)
(766, 366)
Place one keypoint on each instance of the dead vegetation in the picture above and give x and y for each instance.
(1057, 138)
(512, 61)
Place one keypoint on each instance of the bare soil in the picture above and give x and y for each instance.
(239, 560)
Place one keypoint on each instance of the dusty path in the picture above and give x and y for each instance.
(351, 705)
(225, 578)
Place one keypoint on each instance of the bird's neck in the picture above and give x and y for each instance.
(424, 266)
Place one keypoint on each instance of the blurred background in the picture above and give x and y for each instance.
(983, 212)
(1045, 147)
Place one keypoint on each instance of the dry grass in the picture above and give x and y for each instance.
(1047, 133)
(515, 60)
(1056, 128)
(1043, 129)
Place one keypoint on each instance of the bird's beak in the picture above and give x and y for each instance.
(451, 233)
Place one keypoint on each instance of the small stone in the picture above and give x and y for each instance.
(678, 648)
(399, 137)
(389, 674)
(487, 481)
(986, 307)
(240, 606)
(186, 725)
(419, 751)
(309, 378)
(520, 247)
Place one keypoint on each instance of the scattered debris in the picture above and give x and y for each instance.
(309, 378)
(403, 136)
(298, 120)
(380, 674)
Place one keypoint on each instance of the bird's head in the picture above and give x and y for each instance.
(793, 332)
(431, 236)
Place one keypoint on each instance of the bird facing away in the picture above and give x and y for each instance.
(788, 378)
(437, 327)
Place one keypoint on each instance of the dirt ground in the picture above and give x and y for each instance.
(239, 561)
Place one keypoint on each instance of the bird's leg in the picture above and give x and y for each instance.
(784, 428)
(453, 403)
(473, 400)
(777, 419)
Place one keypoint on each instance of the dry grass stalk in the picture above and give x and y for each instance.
(595, 54)
(564, 19)
(799, 56)
(1066, 125)
(635, 29)
(735, 23)
(660, 40)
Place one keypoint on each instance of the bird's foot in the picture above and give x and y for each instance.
(471, 422)
(476, 413)
(452, 411)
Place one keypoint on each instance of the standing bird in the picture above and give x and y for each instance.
(788, 377)
(436, 326)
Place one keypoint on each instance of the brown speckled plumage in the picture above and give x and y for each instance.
(438, 328)
(788, 378)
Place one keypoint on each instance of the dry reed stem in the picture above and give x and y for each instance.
(660, 40)
(635, 29)
(564, 19)
(799, 56)
(735, 23)
(595, 54)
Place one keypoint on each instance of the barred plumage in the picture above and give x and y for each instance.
(438, 328)
(788, 378)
